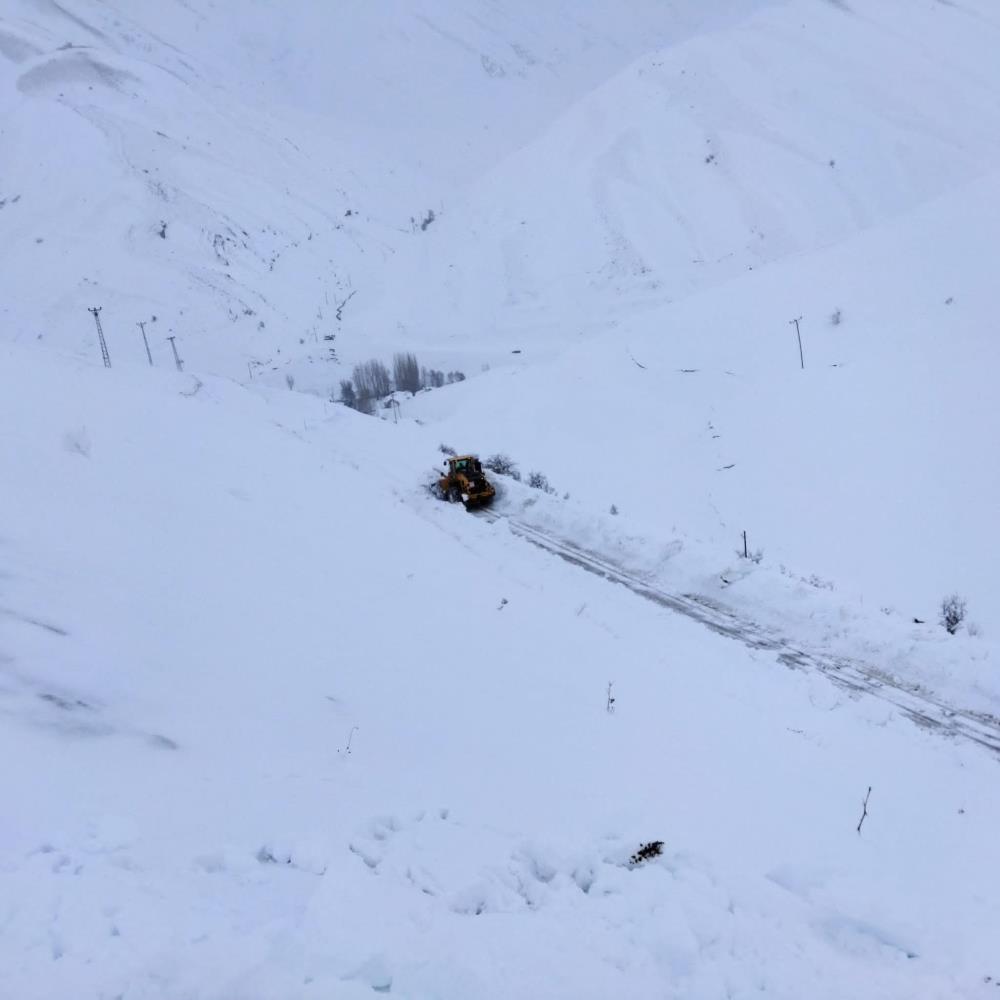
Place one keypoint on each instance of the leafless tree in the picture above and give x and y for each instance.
(952, 613)
(347, 394)
(371, 380)
(406, 372)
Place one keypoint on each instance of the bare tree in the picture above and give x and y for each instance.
(347, 394)
(406, 372)
(952, 613)
(380, 379)
(371, 380)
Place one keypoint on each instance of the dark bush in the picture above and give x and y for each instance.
(502, 465)
(952, 613)
(647, 852)
(539, 481)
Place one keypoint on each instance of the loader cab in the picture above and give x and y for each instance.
(467, 465)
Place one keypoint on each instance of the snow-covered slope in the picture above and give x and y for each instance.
(871, 468)
(239, 170)
(278, 724)
(136, 181)
(794, 129)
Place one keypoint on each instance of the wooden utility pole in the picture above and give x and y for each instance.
(142, 326)
(177, 358)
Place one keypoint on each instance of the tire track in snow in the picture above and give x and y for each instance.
(856, 677)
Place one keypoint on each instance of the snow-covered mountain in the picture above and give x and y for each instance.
(796, 128)
(276, 722)
(239, 170)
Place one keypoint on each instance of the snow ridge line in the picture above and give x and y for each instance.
(857, 678)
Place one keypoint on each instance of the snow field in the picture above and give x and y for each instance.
(277, 724)
(183, 668)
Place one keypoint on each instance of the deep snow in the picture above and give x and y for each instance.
(277, 723)
(205, 603)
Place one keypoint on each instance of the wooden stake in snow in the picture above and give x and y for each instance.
(611, 700)
(798, 333)
(864, 807)
(346, 752)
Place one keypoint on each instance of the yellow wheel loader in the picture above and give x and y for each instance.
(463, 481)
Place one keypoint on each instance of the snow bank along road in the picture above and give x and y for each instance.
(856, 677)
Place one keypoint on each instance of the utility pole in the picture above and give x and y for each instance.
(177, 359)
(142, 326)
(96, 313)
(798, 333)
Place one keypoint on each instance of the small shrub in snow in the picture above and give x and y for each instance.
(864, 810)
(952, 613)
(836, 317)
(77, 442)
(290, 381)
(502, 465)
(539, 481)
(648, 851)
(757, 556)
(974, 630)
(613, 511)
(445, 450)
